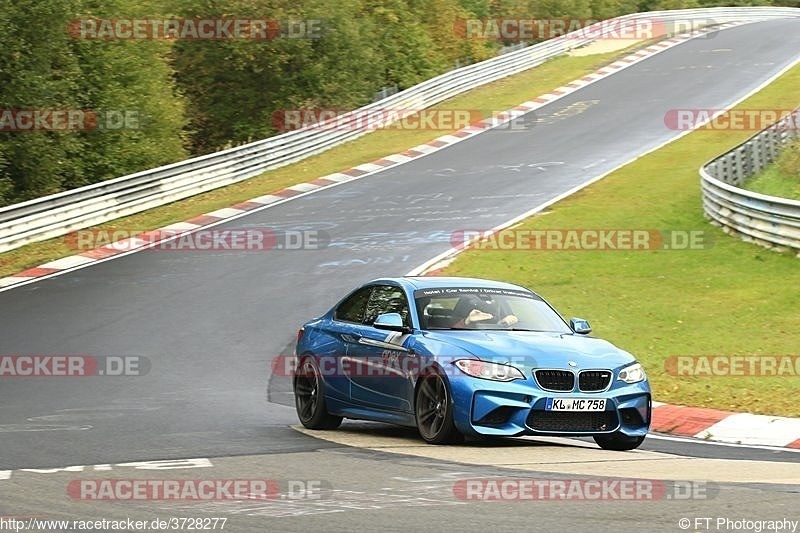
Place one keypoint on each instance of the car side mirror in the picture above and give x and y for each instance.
(390, 321)
(580, 326)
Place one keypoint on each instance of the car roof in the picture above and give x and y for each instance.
(432, 282)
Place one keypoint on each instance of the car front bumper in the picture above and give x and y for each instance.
(490, 408)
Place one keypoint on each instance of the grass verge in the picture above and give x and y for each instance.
(732, 298)
(775, 180)
(497, 96)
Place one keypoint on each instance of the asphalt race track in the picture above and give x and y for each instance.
(210, 323)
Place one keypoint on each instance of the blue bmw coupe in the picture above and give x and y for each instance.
(463, 356)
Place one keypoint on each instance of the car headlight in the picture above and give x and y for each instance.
(632, 374)
(486, 370)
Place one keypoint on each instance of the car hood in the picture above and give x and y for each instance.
(535, 349)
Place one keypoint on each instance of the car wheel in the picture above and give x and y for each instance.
(309, 397)
(433, 407)
(618, 442)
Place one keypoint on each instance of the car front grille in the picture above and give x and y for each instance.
(555, 380)
(572, 421)
(594, 380)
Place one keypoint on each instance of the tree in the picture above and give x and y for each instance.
(129, 84)
(43, 69)
(37, 72)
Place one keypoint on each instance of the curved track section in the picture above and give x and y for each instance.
(210, 322)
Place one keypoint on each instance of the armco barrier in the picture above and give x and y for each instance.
(765, 220)
(58, 214)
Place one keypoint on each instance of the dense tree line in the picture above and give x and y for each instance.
(43, 68)
(157, 101)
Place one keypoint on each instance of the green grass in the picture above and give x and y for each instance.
(494, 97)
(733, 298)
(775, 180)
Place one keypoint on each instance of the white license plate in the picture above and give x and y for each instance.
(575, 404)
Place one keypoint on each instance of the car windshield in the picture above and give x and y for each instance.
(480, 308)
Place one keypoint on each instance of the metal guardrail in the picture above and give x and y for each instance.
(61, 213)
(769, 221)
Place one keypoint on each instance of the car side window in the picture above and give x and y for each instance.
(387, 299)
(354, 307)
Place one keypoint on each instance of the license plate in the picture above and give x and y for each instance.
(575, 404)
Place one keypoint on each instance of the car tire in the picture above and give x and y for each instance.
(433, 410)
(309, 397)
(618, 442)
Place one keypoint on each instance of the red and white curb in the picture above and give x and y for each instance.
(725, 426)
(151, 238)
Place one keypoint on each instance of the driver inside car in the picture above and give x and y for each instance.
(472, 309)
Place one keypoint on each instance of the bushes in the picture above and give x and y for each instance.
(789, 161)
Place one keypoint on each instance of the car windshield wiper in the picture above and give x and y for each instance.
(487, 329)
(537, 330)
(496, 329)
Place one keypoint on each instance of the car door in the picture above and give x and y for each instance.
(380, 363)
(344, 330)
